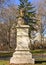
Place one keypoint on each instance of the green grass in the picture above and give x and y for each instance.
(38, 51)
(6, 54)
(4, 62)
(41, 64)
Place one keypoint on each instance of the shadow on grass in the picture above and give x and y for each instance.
(40, 62)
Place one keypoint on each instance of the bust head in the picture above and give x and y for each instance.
(20, 21)
(22, 12)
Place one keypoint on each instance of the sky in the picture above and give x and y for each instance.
(17, 1)
(33, 1)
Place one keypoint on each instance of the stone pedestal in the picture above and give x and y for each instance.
(22, 54)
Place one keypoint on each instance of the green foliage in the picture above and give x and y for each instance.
(28, 10)
(6, 54)
(29, 14)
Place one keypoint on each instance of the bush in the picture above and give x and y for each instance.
(37, 45)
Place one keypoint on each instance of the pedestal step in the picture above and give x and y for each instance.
(22, 57)
(21, 61)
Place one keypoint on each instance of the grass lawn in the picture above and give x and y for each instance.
(5, 62)
(35, 52)
(38, 51)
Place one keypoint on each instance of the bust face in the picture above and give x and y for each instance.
(22, 12)
(20, 21)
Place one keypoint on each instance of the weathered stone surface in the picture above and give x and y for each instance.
(22, 54)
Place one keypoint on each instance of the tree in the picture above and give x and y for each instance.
(41, 15)
(3, 33)
(8, 16)
(28, 14)
(2, 3)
